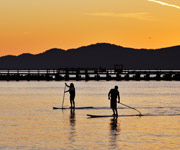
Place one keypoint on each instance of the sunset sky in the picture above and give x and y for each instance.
(33, 26)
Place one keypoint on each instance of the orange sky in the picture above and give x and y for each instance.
(37, 25)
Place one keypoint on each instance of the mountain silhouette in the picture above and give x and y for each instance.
(97, 55)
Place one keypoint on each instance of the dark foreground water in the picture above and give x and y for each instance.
(27, 120)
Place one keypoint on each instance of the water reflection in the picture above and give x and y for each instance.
(114, 132)
(72, 120)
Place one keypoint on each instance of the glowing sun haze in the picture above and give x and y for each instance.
(33, 26)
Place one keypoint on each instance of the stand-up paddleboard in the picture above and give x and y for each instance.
(103, 116)
(137, 115)
(73, 108)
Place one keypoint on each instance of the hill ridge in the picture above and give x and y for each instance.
(96, 55)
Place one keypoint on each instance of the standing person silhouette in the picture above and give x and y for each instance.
(72, 94)
(112, 96)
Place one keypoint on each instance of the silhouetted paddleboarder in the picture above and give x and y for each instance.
(72, 94)
(112, 96)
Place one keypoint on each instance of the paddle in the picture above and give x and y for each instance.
(132, 108)
(63, 96)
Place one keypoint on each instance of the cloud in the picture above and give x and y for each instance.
(165, 4)
(139, 16)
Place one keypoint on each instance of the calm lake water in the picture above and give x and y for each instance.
(28, 121)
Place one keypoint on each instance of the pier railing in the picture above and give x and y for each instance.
(88, 74)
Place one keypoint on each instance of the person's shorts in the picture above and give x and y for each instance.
(72, 97)
(113, 104)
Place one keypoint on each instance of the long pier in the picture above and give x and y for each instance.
(97, 74)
